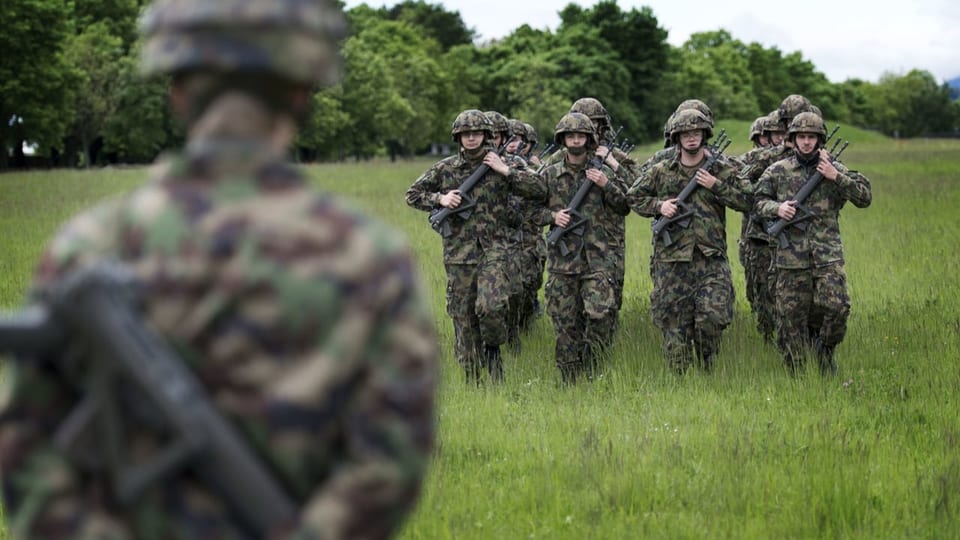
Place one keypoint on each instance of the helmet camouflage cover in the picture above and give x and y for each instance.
(294, 39)
(575, 123)
(519, 129)
(808, 122)
(688, 120)
(499, 122)
(698, 105)
(471, 120)
(756, 128)
(793, 105)
(532, 136)
(771, 122)
(592, 108)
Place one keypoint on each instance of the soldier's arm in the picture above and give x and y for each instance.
(425, 192)
(765, 194)
(642, 195)
(854, 186)
(388, 421)
(733, 190)
(614, 194)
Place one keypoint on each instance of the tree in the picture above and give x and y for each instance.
(446, 27)
(912, 104)
(713, 67)
(36, 81)
(140, 124)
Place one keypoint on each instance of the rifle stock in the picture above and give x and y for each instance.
(94, 307)
(682, 217)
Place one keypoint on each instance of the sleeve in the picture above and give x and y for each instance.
(614, 194)
(389, 425)
(733, 190)
(765, 194)
(854, 187)
(425, 192)
(642, 195)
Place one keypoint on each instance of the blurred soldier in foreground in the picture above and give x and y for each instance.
(302, 320)
(812, 300)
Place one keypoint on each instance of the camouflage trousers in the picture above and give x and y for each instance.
(691, 304)
(812, 310)
(583, 309)
(477, 301)
(756, 256)
(527, 262)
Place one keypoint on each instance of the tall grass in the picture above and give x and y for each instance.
(746, 452)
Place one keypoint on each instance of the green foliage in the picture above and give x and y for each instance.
(140, 124)
(446, 27)
(911, 105)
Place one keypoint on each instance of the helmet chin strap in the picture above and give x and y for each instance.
(692, 151)
(576, 150)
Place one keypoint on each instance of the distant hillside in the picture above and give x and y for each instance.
(954, 85)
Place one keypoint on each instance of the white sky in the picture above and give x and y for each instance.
(842, 38)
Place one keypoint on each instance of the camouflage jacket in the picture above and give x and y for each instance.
(603, 208)
(707, 230)
(754, 163)
(817, 243)
(486, 233)
(303, 319)
(665, 154)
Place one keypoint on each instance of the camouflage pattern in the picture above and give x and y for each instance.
(689, 120)
(479, 305)
(294, 39)
(698, 252)
(697, 105)
(471, 120)
(592, 108)
(793, 105)
(500, 123)
(692, 304)
(304, 320)
(580, 292)
(575, 123)
(807, 122)
(810, 285)
(756, 130)
(532, 138)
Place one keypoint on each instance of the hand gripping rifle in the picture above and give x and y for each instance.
(684, 212)
(439, 216)
(803, 214)
(578, 224)
(135, 378)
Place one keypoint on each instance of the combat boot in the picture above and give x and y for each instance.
(491, 356)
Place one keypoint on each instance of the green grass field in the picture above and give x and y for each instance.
(746, 452)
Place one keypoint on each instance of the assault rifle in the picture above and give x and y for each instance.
(135, 378)
(684, 212)
(777, 226)
(439, 216)
(547, 150)
(577, 225)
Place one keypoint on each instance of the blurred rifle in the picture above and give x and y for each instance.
(684, 212)
(135, 379)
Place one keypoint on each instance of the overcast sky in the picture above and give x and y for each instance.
(844, 39)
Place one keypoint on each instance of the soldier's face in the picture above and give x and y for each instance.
(471, 140)
(497, 139)
(691, 139)
(575, 140)
(514, 146)
(776, 137)
(763, 140)
(806, 142)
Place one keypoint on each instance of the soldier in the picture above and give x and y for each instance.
(303, 319)
(757, 135)
(756, 248)
(811, 288)
(670, 149)
(533, 141)
(692, 298)
(581, 285)
(475, 252)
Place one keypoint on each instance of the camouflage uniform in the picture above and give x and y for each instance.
(669, 151)
(303, 319)
(811, 293)
(692, 298)
(581, 284)
(756, 247)
(475, 254)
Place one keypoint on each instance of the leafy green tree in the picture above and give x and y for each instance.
(714, 68)
(446, 27)
(96, 55)
(36, 81)
(141, 124)
(912, 105)
(320, 136)
(641, 47)
(120, 17)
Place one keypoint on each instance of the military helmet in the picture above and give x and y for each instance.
(771, 122)
(575, 123)
(793, 105)
(518, 129)
(499, 122)
(756, 128)
(807, 122)
(697, 105)
(293, 39)
(532, 136)
(666, 129)
(590, 107)
(690, 119)
(471, 120)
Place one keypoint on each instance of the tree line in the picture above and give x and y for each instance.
(70, 87)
